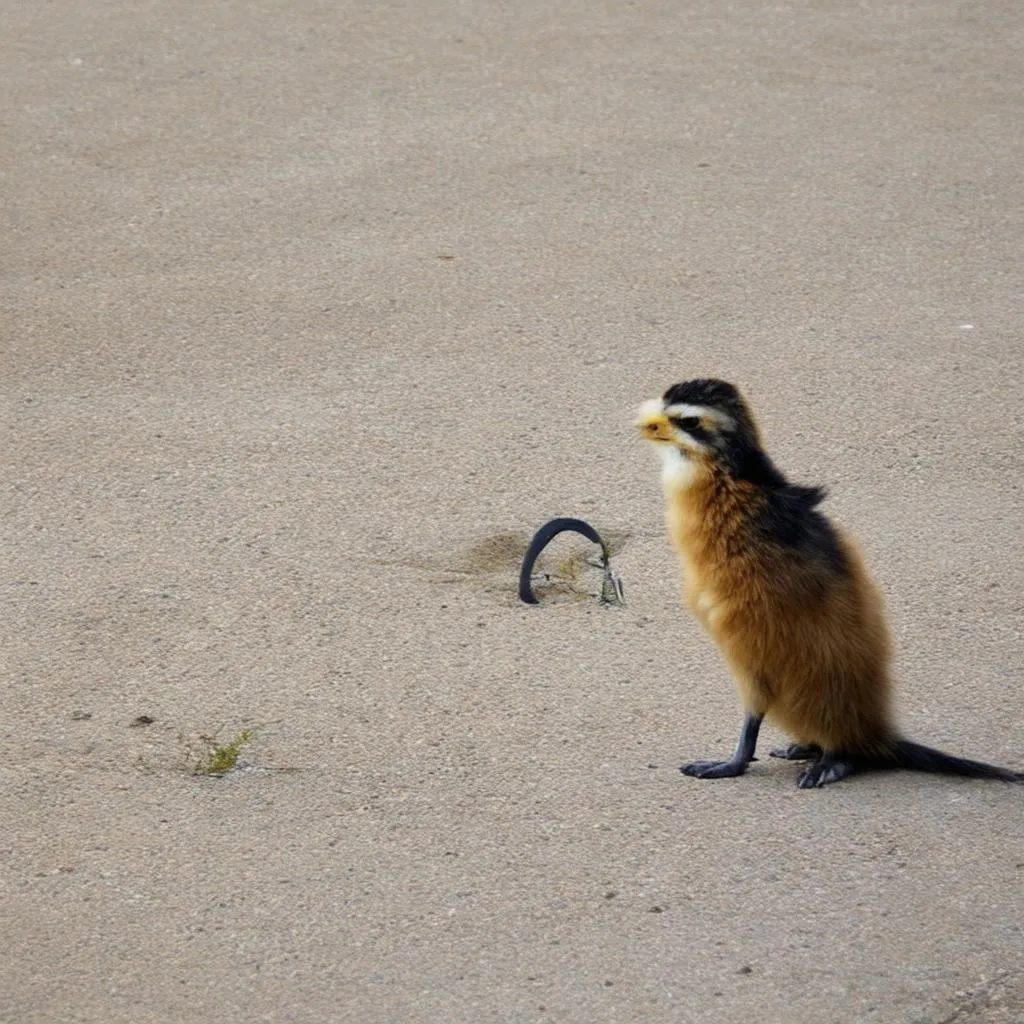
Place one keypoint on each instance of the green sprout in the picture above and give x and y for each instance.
(222, 758)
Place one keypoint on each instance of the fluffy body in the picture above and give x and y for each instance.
(799, 623)
(783, 592)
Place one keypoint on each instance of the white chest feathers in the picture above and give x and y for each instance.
(677, 471)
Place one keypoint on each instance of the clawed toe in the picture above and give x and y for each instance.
(823, 772)
(713, 769)
(811, 777)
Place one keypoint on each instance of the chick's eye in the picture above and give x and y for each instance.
(688, 422)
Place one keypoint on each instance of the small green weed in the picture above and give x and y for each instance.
(221, 758)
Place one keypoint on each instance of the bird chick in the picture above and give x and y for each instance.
(783, 593)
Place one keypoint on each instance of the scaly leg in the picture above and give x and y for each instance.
(737, 764)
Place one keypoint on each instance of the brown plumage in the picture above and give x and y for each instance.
(783, 593)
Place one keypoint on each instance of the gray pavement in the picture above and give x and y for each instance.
(312, 313)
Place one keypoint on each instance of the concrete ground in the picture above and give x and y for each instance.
(312, 313)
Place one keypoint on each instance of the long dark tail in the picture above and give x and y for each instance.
(924, 759)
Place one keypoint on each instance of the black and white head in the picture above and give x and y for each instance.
(701, 423)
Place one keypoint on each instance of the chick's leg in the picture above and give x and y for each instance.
(737, 764)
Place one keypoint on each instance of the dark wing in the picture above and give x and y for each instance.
(790, 519)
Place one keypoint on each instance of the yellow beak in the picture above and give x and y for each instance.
(652, 423)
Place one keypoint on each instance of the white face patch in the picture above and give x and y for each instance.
(674, 444)
(720, 419)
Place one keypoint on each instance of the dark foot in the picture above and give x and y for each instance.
(831, 768)
(714, 769)
(737, 764)
(798, 752)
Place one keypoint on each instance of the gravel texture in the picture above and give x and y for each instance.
(312, 314)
